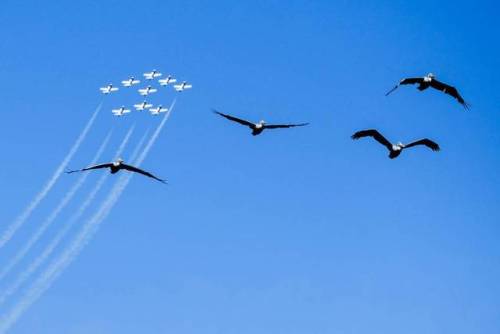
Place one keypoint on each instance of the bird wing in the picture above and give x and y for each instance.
(375, 134)
(106, 165)
(279, 126)
(450, 90)
(427, 142)
(411, 81)
(140, 171)
(235, 119)
(405, 81)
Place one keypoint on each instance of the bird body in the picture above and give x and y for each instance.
(394, 149)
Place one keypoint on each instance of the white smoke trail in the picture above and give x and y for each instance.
(155, 135)
(19, 221)
(67, 227)
(56, 267)
(51, 218)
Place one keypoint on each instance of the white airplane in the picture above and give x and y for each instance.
(184, 85)
(130, 82)
(148, 90)
(167, 80)
(151, 75)
(158, 110)
(108, 89)
(120, 111)
(143, 106)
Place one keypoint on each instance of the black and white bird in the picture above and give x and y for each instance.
(430, 81)
(394, 149)
(257, 128)
(115, 167)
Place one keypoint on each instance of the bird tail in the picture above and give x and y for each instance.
(392, 90)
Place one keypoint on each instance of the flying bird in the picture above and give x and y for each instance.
(115, 167)
(394, 149)
(430, 81)
(257, 128)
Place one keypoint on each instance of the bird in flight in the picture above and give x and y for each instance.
(430, 81)
(115, 167)
(257, 128)
(394, 149)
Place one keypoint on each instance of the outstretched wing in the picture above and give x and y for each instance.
(235, 119)
(406, 81)
(106, 165)
(140, 171)
(427, 142)
(450, 90)
(375, 134)
(280, 126)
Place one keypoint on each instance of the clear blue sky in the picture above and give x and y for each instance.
(293, 231)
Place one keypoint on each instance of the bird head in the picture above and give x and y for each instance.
(400, 144)
(119, 161)
(431, 75)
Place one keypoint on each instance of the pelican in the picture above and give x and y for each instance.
(115, 167)
(430, 81)
(394, 149)
(257, 128)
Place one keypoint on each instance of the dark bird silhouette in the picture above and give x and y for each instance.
(430, 81)
(257, 128)
(394, 149)
(115, 167)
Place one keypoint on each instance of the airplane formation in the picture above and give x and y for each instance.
(257, 128)
(150, 77)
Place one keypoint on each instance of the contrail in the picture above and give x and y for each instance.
(155, 135)
(56, 267)
(62, 233)
(52, 217)
(19, 221)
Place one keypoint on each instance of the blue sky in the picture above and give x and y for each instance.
(293, 231)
